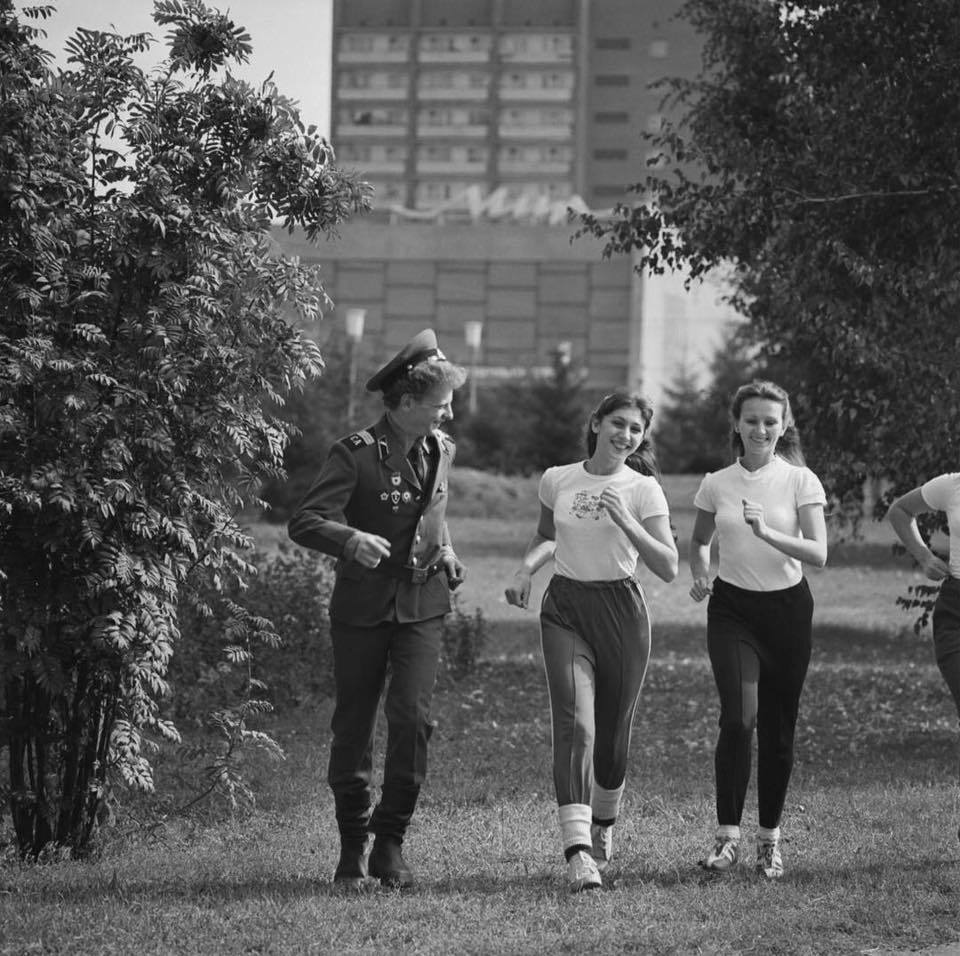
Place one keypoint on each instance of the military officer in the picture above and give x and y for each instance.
(379, 506)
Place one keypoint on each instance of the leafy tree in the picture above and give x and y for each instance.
(143, 331)
(526, 426)
(692, 429)
(319, 416)
(817, 152)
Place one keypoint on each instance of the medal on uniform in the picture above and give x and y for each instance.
(395, 478)
(406, 497)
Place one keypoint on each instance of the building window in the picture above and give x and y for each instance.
(613, 79)
(435, 154)
(613, 43)
(357, 43)
(372, 117)
(610, 154)
(612, 117)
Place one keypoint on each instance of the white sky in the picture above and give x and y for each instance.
(291, 38)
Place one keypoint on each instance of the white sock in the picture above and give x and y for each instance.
(768, 835)
(728, 831)
(605, 804)
(574, 824)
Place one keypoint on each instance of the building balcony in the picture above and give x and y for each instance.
(447, 94)
(451, 167)
(541, 167)
(381, 167)
(457, 57)
(372, 57)
(452, 132)
(352, 94)
(527, 133)
(369, 131)
(563, 94)
(537, 58)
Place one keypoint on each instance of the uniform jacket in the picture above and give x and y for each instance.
(367, 484)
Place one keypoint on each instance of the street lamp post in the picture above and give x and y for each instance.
(353, 320)
(561, 361)
(473, 333)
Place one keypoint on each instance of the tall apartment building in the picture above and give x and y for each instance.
(520, 106)
(545, 98)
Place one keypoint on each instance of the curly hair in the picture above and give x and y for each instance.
(422, 379)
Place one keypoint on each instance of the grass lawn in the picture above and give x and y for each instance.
(872, 856)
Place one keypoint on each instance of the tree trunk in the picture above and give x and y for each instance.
(58, 744)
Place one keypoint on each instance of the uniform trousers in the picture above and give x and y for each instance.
(596, 644)
(361, 657)
(946, 635)
(759, 644)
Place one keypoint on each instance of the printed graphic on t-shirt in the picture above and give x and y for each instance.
(586, 505)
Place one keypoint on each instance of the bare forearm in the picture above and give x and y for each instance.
(661, 558)
(539, 552)
(905, 526)
(699, 560)
(807, 550)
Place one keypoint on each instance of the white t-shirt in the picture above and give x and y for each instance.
(782, 489)
(943, 493)
(590, 546)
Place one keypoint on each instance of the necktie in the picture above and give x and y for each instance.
(418, 460)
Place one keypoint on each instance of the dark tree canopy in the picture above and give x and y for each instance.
(818, 152)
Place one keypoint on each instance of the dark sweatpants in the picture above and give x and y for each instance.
(759, 644)
(595, 637)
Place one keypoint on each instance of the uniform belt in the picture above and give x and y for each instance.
(406, 573)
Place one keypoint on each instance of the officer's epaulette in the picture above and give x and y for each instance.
(358, 439)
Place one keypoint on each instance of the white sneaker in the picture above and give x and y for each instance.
(723, 856)
(769, 861)
(602, 849)
(582, 873)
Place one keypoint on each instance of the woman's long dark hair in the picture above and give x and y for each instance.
(644, 459)
(788, 444)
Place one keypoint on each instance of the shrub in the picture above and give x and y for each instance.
(291, 589)
(463, 638)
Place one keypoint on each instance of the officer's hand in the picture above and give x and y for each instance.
(367, 549)
(518, 594)
(455, 571)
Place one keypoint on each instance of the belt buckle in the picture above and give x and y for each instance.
(419, 575)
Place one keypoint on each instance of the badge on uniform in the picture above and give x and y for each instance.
(406, 497)
(395, 497)
(384, 495)
(395, 478)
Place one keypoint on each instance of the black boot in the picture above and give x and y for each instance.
(387, 863)
(351, 871)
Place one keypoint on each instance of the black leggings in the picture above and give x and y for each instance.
(759, 644)
(946, 636)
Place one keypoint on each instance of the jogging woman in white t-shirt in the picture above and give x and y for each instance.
(938, 494)
(597, 519)
(767, 512)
